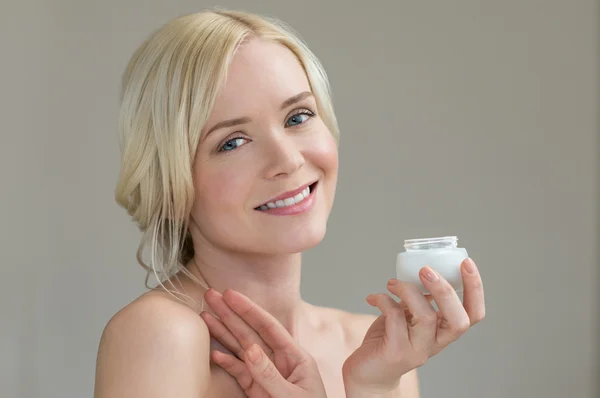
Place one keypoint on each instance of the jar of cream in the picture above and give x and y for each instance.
(441, 254)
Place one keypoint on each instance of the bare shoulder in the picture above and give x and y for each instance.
(154, 347)
(356, 326)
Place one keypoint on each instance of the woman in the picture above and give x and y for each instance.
(229, 168)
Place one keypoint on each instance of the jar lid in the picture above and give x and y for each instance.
(431, 243)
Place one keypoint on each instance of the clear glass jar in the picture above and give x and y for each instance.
(442, 254)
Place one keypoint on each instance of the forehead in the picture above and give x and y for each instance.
(262, 73)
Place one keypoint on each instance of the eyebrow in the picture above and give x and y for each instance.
(296, 98)
(229, 123)
(242, 120)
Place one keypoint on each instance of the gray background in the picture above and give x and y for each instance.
(471, 118)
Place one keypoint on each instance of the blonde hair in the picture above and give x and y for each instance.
(168, 90)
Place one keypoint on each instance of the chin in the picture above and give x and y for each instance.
(295, 242)
(292, 234)
(306, 243)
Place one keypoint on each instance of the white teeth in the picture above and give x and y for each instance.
(298, 198)
(287, 201)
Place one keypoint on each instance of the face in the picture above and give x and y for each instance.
(266, 167)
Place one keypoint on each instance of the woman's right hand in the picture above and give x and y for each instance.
(268, 362)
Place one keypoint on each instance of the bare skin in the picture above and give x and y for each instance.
(329, 335)
(158, 346)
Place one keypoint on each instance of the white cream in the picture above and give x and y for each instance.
(441, 254)
(287, 201)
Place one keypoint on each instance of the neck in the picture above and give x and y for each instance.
(271, 281)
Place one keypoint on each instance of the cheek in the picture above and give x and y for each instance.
(221, 189)
(325, 153)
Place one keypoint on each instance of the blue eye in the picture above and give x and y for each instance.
(232, 144)
(299, 118)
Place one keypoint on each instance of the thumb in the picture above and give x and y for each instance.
(264, 372)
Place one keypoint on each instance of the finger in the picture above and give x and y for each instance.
(220, 332)
(395, 318)
(428, 297)
(473, 296)
(269, 329)
(244, 334)
(399, 288)
(234, 367)
(265, 373)
(455, 318)
(240, 372)
(407, 314)
(423, 323)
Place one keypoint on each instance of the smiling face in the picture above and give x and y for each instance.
(264, 138)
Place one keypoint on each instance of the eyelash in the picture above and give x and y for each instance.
(303, 111)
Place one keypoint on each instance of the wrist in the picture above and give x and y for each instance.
(356, 390)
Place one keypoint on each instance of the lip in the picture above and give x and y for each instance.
(288, 194)
(296, 209)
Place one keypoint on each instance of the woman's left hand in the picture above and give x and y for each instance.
(408, 333)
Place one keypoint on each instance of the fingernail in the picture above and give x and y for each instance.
(392, 282)
(430, 274)
(372, 300)
(254, 354)
(470, 267)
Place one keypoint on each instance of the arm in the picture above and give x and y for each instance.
(407, 388)
(153, 348)
(409, 385)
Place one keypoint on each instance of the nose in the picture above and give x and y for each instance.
(284, 157)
